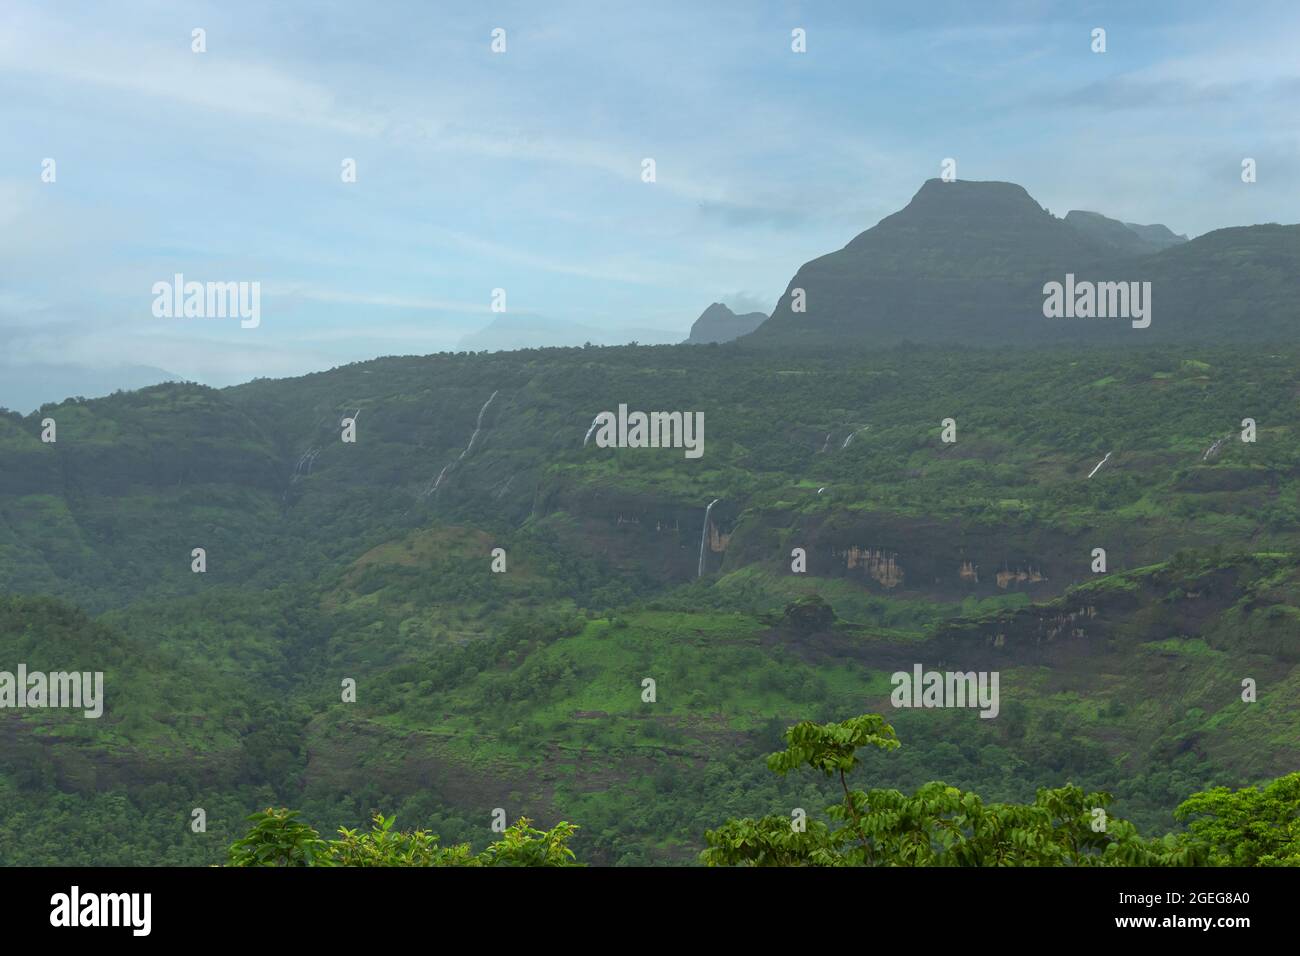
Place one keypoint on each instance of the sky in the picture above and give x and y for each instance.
(522, 170)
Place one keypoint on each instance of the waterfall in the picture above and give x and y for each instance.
(1100, 463)
(827, 443)
(587, 437)
(1212, 449)
(704, 536)
(304, 464)
(438, 480)
(478, 425)
(300, 471)
(851, 434)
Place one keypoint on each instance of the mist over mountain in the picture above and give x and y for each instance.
(1124, 237)
(718, 323)
(1158, 235)
(966, 263)
(28, 386)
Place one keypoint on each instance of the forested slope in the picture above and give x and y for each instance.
(523, 689)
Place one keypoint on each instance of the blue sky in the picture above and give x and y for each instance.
(522, 170)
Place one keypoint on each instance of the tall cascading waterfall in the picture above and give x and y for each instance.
(587, 437)
(478, 426)
(704, 535)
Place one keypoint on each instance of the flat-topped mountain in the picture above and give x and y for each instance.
(718, 323)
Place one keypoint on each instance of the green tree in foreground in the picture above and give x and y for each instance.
(1248, 827)
(277, 838)
(939, 825)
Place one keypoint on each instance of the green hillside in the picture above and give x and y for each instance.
(524, 689)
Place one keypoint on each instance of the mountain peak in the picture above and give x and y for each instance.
(718, 323)
(972, 195)
(966, 262)
(971, 187)
(963, 207)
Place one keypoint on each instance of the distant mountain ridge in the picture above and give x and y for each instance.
(27, 386)
(966, 263)
(718, 323)
(1125, 237)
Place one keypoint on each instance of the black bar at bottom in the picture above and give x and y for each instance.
(572, 905)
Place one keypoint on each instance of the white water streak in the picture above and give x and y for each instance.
(438, 481)
(704, 536)
(851, 434)
(1099, 464)
(478, 425)
(304, 464)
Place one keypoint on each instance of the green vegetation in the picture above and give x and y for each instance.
(939, 825)
(525, 689)
(277, 838)
(1252, 827)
